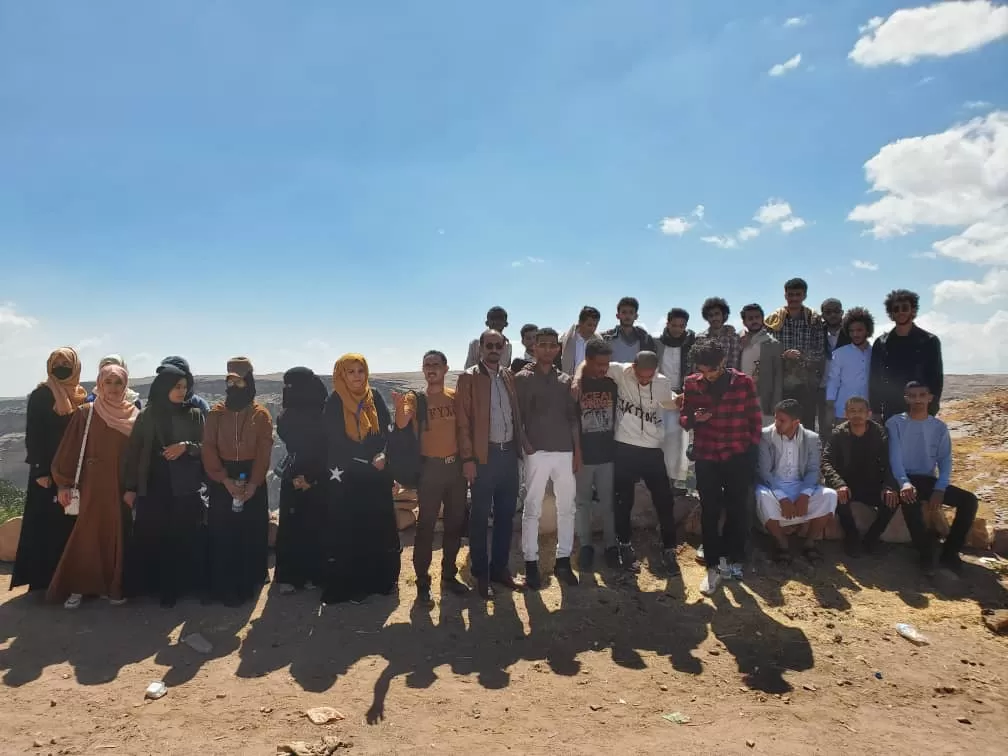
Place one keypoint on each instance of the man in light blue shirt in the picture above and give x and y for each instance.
(920, 453)
(849, 365)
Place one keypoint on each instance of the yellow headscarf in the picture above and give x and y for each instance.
(360, 415)
(68, 393)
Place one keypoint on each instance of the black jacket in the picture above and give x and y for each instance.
(920, 360)
(647, 342)
(838, 469)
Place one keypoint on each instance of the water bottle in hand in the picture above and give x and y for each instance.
(237, 505)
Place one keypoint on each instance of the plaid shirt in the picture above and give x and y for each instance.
(736, 423)
(805, 335)
(728, 338)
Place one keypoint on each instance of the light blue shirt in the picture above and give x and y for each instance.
(917, 447)
(848, 375)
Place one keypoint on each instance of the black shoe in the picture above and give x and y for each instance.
(852, 546)
(532, 580)
(628, 558)
(671, 563)
(586, 558)
(423, 597)
(507, 580)
(952, 562)
(564, 573)
(484, 590)
(612, 559)
(454, 585)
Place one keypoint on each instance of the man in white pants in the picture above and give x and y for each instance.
(550, 416)
(789, 493)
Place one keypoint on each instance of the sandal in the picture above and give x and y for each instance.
(812, 554)
(780, 555)
(73, 602)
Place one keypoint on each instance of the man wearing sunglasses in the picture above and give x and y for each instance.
(904, 354)
(496, 320)
(490, 440)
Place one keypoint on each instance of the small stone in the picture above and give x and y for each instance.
(663, 687)
(321, 715)
(222, 695)
(809, 687)
(595, 707)
(830, 625)
(52, 702)
(714, 652)
(266, 709)
(37, 744)
(838, 638)
(946, 689)
(963, 720)
(786, 699)
(750, 743)
(52, 741)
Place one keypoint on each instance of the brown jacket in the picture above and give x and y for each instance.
(472, 413)
(253, 429)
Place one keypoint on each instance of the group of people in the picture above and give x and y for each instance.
(168, 498)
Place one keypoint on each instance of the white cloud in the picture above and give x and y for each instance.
(796, 21)
(790, 224)
(675, 226)
(774, 211)
(748, 232)
(994, 286)
(698, 212)
(970, 347)
(11, 319)
(725, 242)
(527, 261)
(779, 69)
(864, 265)
(938, 31)
(976, 105)
(955, 179)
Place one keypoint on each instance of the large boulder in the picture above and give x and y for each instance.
(10, 532)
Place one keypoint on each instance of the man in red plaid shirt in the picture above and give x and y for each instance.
(722, 409)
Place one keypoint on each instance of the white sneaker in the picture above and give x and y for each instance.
(699, 554)
(710, 582)
(73, 602)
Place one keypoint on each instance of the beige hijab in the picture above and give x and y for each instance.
(118, 412)
(67, 393)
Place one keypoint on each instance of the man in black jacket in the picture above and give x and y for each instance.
(906, 353)
(855, 464)
(627, 339)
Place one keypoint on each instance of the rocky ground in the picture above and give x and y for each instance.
(797, 661)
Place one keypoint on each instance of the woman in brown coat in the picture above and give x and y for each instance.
(89, 460)
(237, 443)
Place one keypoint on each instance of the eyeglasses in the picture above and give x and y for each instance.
(493, 346)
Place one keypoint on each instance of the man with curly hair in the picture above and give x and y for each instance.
(715, 311)
(906, 353)
(849, 366)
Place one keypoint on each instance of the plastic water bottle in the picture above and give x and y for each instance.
(912, 634)
(237, 505)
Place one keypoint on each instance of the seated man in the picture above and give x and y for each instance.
(790, 494)
(855, 464)
(919, 444)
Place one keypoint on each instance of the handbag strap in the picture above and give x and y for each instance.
(83, 446)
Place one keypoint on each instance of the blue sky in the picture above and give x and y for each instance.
(293, 181)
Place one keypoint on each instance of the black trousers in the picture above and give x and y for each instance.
(965, 504)
(635, 463)
(870, 496)
(724, 486)
(808, 398)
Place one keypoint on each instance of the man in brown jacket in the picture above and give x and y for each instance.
(490, 444)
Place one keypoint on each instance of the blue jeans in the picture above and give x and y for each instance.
(496, 486)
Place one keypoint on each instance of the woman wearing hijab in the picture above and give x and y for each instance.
(192, 399)
(94, 445)
(162, 477)
(237, 443)
(303, 480)
(45, 528)
(364, 553)
(114, 359)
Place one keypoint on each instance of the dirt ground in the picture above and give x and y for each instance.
(804, 661)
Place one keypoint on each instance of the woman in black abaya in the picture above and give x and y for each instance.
(45, 527)
(162, 477)
(364, 550)
(299, 559)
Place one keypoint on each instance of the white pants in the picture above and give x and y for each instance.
(675, 445)
(823, 501)
(540, 468)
